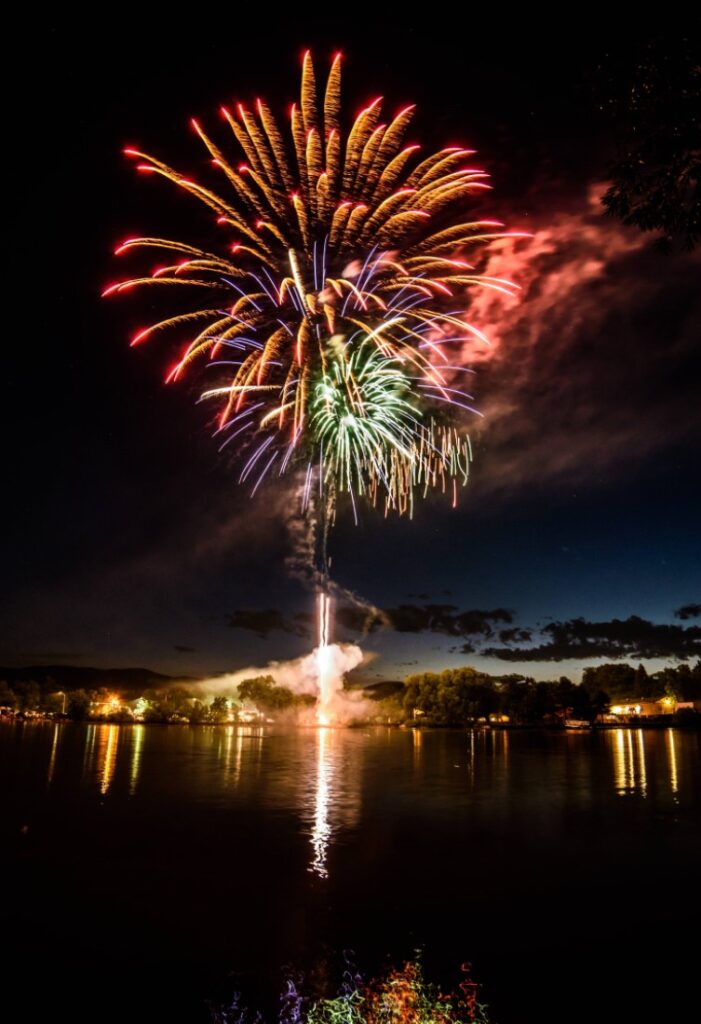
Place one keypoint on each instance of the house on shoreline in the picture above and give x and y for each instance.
(642, 707)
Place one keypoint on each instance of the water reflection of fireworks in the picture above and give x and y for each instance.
(321, 832)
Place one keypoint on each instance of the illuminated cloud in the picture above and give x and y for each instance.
(593, 368)
(617, 638)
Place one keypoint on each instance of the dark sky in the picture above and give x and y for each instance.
(126, 538)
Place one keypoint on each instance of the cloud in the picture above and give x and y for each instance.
(477, 630)
(515, 635)
(592, 368)
(263, 621)
(688, 611)
(427, 618)
(358, 619)
(618, 638)
(362, 619)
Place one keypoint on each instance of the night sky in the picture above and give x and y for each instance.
(127, 539)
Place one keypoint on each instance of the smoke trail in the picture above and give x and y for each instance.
(309, 564)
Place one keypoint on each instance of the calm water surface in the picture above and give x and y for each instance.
(148, 869)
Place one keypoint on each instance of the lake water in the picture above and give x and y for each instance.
(149, 869)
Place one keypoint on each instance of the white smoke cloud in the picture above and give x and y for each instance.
(301, 676)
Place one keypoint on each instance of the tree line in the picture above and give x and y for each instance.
(457, 696)
(175, 704)
(464, 695)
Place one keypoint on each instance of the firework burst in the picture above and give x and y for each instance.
(333, 299)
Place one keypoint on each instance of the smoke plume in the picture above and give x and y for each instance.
(301, 676)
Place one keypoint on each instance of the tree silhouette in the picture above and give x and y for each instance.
(655, 103)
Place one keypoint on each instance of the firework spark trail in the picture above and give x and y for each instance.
(324, 662)
(340, 285)
(335, 245)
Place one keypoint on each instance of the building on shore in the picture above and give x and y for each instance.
(644, 707)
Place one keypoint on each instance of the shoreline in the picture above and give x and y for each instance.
(408, 727)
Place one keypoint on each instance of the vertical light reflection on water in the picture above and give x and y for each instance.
(503, 743)
(471, 758)
(107, 754)
(630, 761)
(89, 753)
(137, 743)
(416, 747)
(671, 744)
(239, 755)
(228, 748)
(620, 762)
(257, 741)
(52, 758)
(641, 762)
(321, 831)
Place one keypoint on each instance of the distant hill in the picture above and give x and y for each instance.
(72, 677)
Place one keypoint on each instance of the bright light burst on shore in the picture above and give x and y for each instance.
(333, 298)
